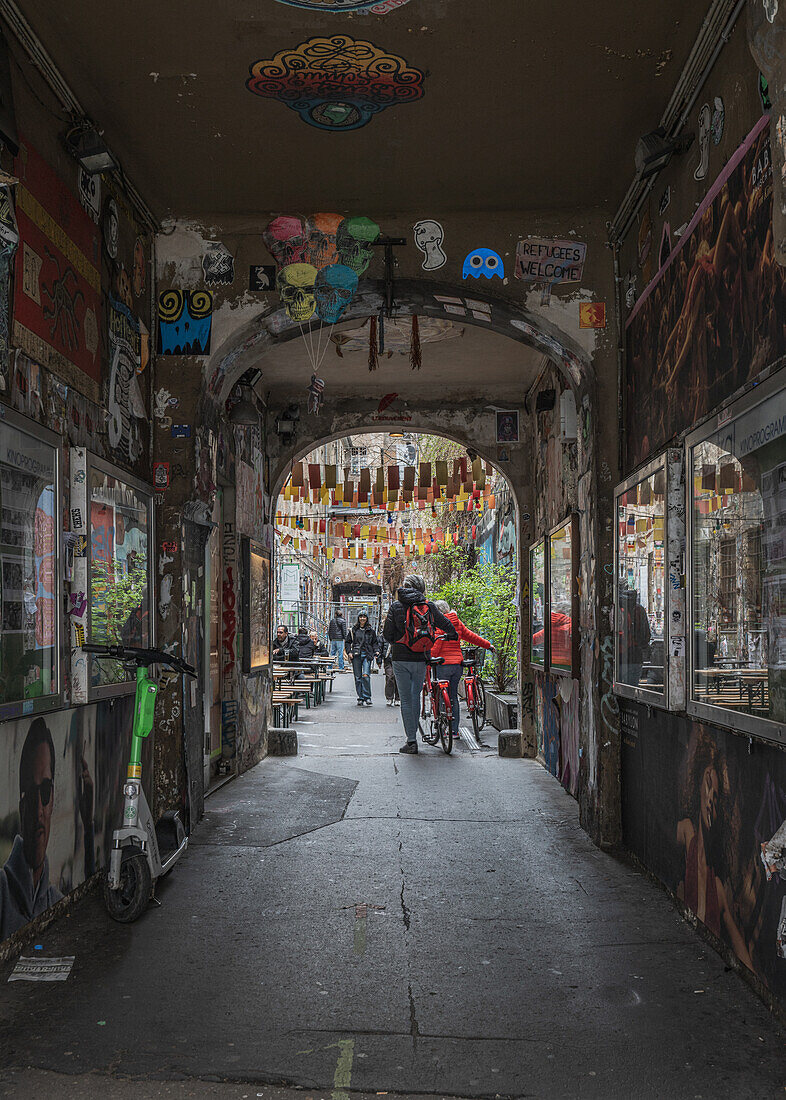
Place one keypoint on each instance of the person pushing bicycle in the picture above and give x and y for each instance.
(449, 650)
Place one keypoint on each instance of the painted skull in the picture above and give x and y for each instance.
(321, 232)
(295, 285)
(285, 240)
(485, 262)
(354, 239)
(335, 288)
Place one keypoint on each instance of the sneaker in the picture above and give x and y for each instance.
(390, 702)
(360, 703)
(396, 702)
(368, 703)
(410, 748)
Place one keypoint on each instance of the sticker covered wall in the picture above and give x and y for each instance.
(697, 806)
(57, 289)
(714, 316)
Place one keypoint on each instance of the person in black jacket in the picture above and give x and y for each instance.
(285, 646)
(409, 666)
(319, 649)
(362, 645)
(337, 633)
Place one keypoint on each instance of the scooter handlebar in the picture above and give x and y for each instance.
(140, 656)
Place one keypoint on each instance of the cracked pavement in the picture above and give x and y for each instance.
(351, 921)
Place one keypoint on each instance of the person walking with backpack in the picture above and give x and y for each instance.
(411, 628)
(337, 633)
(362, 645)
(450, 652)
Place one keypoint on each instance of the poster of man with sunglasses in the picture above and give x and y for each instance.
(25, 888)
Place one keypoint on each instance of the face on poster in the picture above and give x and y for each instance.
(508, 427)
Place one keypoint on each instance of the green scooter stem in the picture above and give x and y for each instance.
(144, 710)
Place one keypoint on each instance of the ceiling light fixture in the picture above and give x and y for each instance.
(654, 151)
(86, 145)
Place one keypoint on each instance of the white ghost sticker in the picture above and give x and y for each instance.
(429, 236)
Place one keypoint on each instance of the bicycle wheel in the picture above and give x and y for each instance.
(445, 728)
(427, 725)
(479, 710)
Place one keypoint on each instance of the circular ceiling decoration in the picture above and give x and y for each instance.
(374, 7)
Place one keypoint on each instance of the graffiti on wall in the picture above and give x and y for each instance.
(697, 806)
(714, 316)
(185, 320)
(336, 83)
(57, 291)
(125, 404)
(61, 783)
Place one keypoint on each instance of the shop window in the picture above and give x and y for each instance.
(30, 574)
(736, 470)
(538, 604)
(563, 614)
(641, 598)
(120, 609)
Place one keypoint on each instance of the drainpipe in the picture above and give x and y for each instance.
(618, 302)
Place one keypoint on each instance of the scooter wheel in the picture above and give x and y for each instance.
(136, 885)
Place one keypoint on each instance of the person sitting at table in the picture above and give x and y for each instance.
(284, 647)
(304, 645)
(320, 649)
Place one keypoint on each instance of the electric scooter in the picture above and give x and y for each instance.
(141, 851)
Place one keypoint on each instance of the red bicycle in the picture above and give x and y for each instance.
(436, 713)
(474, 689)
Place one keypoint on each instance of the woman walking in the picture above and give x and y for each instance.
(362, 645)
(450, 651)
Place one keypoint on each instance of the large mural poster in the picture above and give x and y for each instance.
(61, 797)
(714, 315)
(697, 806)
(57, 284)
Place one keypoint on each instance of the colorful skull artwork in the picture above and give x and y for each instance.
(321, 250)
(335, 288)
(286, 240)
(354, 239)
(485, 262)
(295, 285)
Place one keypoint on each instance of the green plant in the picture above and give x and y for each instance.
(484, 598)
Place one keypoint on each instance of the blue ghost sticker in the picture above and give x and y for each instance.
(486, 262)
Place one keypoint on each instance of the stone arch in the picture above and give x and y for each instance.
(250, 341)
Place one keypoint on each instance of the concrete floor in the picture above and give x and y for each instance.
(358, 920)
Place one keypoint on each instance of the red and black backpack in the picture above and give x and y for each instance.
(419, 628)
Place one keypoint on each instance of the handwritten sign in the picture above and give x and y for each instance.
(545, 261)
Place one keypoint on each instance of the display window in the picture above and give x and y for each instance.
(30, 575)
(257, 606)
(736, 470)
(641, 586)
(119, 573)
(539, 604)
(563, 609)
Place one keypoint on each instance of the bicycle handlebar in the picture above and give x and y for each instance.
(142, 657)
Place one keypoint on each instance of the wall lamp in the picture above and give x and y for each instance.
(654, 151)
(86, 145)
(244, 412)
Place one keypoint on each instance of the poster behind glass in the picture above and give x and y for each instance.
(561, 602)
(738, 564)
(119, 613)
(537, 563)
(29, 574)
(257, 647)
(641, 584)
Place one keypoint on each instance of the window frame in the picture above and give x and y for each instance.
(747, 725)
(626, 691)
(93, 462)
(542, 541)
(251, 546)
(55, 700)
(572, 521)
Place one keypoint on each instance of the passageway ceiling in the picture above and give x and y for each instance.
(471, 365)
(526, 104)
